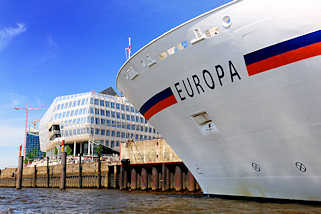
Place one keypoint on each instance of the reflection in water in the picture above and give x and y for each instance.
(113, 201)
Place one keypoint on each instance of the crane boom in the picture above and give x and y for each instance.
(27, 109)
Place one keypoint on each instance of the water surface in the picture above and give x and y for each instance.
(114, 201)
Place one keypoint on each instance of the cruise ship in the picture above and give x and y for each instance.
(236, 92)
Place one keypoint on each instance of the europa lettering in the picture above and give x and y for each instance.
(207, 80)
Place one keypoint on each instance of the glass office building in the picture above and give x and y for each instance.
(33, 145)
(93, 117)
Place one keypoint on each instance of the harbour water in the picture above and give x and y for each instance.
(114, 201)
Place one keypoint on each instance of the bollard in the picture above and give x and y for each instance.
(178, 178)
(154, 178)
(99, 173)
(20, 172)
(48, 176)
(80, 172)
(133, 178)
(144, 179)
(191, 182)
(34, 178)
(63, 171)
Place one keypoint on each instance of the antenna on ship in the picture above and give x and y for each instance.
(128, 50)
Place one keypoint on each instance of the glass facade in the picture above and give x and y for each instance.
(33, 146)
(95, 117)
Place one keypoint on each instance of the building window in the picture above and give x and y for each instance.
(91, 110)
(112, 144)
(123, 125)
(108, 123)
(136, 137)
(97, 121)
(132, 109)
(103, 121)
(91, 131)
(133, 127)
(102, 102)
(78, 103)
(92, 120)
(117, 144)
(141, 119)
(127, 108)
(128, 117)
(107, 133)
(118, 134)
(128, 126)
(141, 128)
(118, 115)
(102, 132)
(83, 101)
(123, 107)
(106, 103)
(102, 112)
(74, 131)
(123, 134)
(113, 133)
(107, 143)
(123, 116)
(97, 111)
(137, 119)
(76, 112)
(133, 118)
(113, 123)
(78, 131)
(112, 105)
(107, 113)
(91, 101)
(96, 102)
(80, 111)
(117, 106)
(113, 114)
(96, 131)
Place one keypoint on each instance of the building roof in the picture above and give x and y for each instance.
(109, 91)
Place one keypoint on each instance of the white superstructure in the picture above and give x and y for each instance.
(236, 93)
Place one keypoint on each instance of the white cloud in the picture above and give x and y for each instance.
(8, 33)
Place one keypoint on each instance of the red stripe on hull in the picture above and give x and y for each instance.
(160, 106)
(285, 59)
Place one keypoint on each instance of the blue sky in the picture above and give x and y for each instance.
(53, 48)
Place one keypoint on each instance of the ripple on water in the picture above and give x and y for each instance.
(113, 201)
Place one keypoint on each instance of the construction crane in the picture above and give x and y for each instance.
(27, 109)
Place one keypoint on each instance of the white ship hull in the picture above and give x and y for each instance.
(264, 138)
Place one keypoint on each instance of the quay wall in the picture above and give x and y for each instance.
(143, 166)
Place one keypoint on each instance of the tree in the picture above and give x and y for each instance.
(68, 150)
(44, 154)
(99, 149)
(35, 152)
(56, 151)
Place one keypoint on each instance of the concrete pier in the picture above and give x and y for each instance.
(133, 178)
(178, 178)
(144, 179)
(154, 178)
